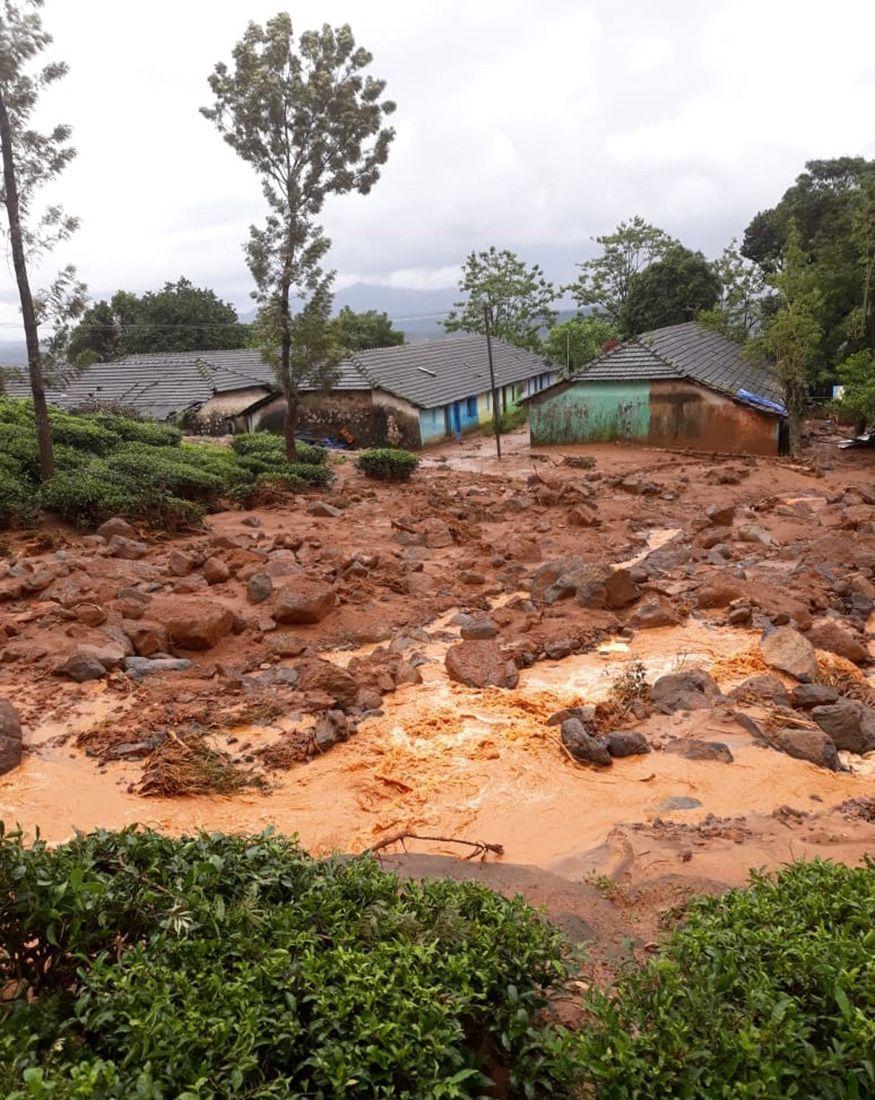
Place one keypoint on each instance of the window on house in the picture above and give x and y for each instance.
(471, 407)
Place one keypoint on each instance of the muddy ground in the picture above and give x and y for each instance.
(347, 729)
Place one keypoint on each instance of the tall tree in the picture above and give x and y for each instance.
(179, 317)
(520, 296)
(30, 160)
(579, 340)
(368, 329)
(832, 207)
(604, 281)
(743, 296)
(671, 290)
(311, 124)
(792, 334)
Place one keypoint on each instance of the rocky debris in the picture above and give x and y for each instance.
(193, 623)
(581, 515)
(138, 668)
(678, 802)
(667, 558)
(81, 666)
(477, 628)
(835, 638)
(116, 527)
(740, 613)
(323, 508)
(719, 591)
(303, 600)
(579, 462)
(762, 689)
(812, 745)
(639, 486)
(653, 611)
(720, 515)
(691, 690)
(90, 614)
(332, 727)
(216, 571)
(693, 748)
(788, 651)
(480, 664)
(146, 636)
(437, 533)
(585, 748)
(284, 644)
(585, 714)
(603, 587)
(10, 737)
(621, 743)
(472, 577)
(753, 532)
(119, 546)
(849, 723)
(317, 675)
(180, 563)
(259, 588)
(805, 696)
(558, 579)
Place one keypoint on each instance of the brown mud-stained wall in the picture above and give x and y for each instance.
(362, 418)
(395, 422)
(683, 414)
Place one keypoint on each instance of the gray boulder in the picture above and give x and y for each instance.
(693, 690)
(849, 723)
(582, 745)
(138, 668)
(788, 651)
(625, 743)
(10, 737)
(808, 744)
(692, 748)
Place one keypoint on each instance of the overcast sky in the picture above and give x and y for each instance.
(529, 125)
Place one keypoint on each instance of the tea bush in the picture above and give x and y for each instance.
(388, 463)
(765, 992)
(107, 464)
(154, 967)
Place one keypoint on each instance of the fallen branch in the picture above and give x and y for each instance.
(480, 846)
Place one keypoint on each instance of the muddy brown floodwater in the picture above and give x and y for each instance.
(444, 759)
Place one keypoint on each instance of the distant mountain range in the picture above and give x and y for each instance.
(417, 313)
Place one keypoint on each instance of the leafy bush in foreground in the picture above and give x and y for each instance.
(107, 464)
(765, 992)
(388, 463)
(156, 967)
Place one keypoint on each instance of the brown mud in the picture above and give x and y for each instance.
(441, 758)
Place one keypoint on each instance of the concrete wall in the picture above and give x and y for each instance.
(395, 422)
(224, 405)
(360, 417)
(659, 413)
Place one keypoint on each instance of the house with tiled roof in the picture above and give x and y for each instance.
(410, 395)
(680, 386)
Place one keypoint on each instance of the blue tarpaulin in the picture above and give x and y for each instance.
(763, 402)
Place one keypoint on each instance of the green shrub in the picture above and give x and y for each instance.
(388, 463)
(149, 432)
(17, 505)
(765, 992)
(268, 447)
(239, 967)
(82, 433)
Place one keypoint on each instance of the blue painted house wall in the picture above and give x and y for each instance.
(475, 410)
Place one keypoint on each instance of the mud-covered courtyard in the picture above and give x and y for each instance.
(456, 657)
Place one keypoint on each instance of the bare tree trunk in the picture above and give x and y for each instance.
(31, 334)
(290, 422)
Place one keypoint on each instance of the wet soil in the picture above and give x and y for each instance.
(438, 757)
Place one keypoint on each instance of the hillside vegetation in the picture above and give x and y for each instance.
(142, 966)
(109, 465)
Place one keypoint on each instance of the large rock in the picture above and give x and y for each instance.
(762, 689)
(835, 638)
(328, 678)
(558, 579)
(146, 636)
(719, 591)
(808, 744)
(806, 696)
(601, 586)
(116, 526)
(692, 690)
(653, 612)
(582, 745)
(119, 546)
(193, 623)
(849, 723)
(303, 600)
(10, 737)
(138, 668)
(216, 571)
(82, 666)
(625, 743)
(480, 664)
(259, 588)
(437, 533)
(788, 651)
(693, 748)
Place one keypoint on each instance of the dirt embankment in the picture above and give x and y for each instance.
(295, 662)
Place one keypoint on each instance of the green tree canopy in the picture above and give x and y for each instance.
(304, 114)
(368, 329)
(179, 317)
(520, 296)
(832, 207)
(579, 340)
(744, 297)
(857, 375)
(671, 290)
(604, 281)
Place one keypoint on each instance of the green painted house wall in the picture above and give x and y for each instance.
(592, 412)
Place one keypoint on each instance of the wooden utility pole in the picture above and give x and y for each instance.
(487, 319)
